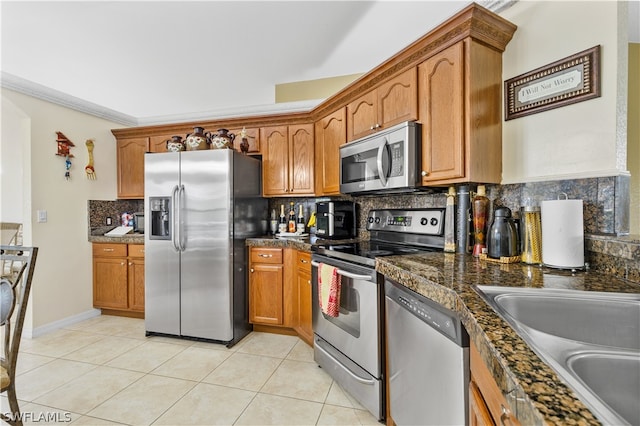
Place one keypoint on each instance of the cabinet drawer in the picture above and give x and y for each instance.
(266, 255)
(109, 250)
(304, 260)
(136, 250)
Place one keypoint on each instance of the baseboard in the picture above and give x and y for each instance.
(52, 326)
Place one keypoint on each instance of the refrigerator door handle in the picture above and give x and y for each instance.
(175, 209)
(181, 240)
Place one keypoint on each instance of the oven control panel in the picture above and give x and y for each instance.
(415, 221)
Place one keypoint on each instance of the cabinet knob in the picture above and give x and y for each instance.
(265, 255)
(505, 415)
(309, 282)
(378, 126)
(424, 173)
(108, 249)
(130, 264)
(303, 261)
(251, 269)
(372, 127)
(122, 264)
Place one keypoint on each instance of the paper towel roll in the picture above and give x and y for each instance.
(562, 234)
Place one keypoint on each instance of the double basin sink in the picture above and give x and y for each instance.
(591, 340)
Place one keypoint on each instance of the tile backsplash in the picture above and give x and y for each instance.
(608, 247)
(99, 210)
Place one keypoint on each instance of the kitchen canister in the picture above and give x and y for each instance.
(562, 233)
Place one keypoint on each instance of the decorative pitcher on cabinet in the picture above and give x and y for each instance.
(222, 139)
(198, 139)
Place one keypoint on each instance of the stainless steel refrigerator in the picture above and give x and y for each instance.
(200, 207)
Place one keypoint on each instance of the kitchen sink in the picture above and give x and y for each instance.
(591, 339)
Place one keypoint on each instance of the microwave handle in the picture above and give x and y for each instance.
(382, 150)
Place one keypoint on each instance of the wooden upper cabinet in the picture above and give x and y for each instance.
(459, 107)
(253, 137)
(391, 103)
(159, 143)
(442, 114)
(287, 161)
(331, 132)
(301, 160)
(130, 158)
(275, 160)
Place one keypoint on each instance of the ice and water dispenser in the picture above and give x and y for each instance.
(160, 208)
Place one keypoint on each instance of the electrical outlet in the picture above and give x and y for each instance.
(108, 221)
(42, 216)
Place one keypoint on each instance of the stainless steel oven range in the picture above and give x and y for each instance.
(350, 346)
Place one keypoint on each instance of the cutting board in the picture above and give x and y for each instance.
(119, 231)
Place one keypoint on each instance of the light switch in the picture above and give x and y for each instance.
(42, 216)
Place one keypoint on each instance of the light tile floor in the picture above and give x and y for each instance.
(105, 371)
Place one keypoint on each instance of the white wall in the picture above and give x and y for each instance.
(579, 140)
(62, 286)
(15, 131)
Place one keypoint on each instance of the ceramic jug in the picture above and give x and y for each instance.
(502, 238)
(198, 139)
(222, 139)
(175, 144)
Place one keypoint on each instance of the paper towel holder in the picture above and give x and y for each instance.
(562, 235)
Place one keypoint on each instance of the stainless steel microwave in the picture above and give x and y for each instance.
(387, 161)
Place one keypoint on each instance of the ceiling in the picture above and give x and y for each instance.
(149, 62)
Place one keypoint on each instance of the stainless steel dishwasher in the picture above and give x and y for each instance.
(428, 360)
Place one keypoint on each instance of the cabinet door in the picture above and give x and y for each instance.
(301, 162)
(253, 136)
(265, 294)
(136, 284)
(442, 112)
(110, 283)
(398, 99)
(136, 277)
(159, 143)
(331, 132)
(304, 327)
(362, 116)
(479, 414)
(130, 157)
(275, 160)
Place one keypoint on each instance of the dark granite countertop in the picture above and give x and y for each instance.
(531, 387)
(96, 235)
(304, 244)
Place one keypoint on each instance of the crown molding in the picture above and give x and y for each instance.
(226, 113)
(38, 91)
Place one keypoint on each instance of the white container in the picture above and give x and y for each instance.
(562, 234)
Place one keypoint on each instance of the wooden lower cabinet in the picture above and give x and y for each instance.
(303, 297)
(280, 291)
(265, 286)
(118, 278)
(487, 405)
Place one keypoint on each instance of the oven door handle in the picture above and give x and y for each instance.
(347, 274)
(318, 345)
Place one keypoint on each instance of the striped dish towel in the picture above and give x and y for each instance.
(329, 290)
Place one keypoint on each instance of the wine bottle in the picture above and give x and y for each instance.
(300, 223)
(292, 218)
(282, 224)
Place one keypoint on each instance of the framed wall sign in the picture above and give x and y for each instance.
(564, 82)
